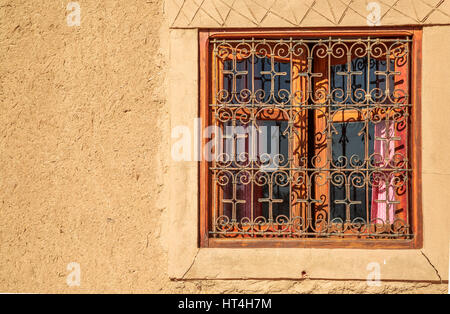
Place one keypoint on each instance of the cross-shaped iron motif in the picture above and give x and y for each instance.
(388, 73)
(234, 202)
(234, 137)
(347, 202)
(388, 203)
(309, 75)
(234, 72)
(388, 139)
(270, 200)
(308, 201)
(349, 74)
(273, 74)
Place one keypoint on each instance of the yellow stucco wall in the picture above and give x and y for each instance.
(85, 154)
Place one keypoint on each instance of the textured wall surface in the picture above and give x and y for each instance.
(295, 13)
(84, 154)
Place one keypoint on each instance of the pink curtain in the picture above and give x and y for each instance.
(387, 150)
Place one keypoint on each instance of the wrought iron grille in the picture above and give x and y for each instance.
(335, 161)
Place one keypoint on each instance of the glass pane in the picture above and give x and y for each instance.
(361, 76)
(348, 147)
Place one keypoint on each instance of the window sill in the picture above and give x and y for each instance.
(296, 264)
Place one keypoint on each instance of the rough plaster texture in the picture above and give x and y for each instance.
(84, 155)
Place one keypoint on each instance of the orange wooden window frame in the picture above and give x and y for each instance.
(414, 141)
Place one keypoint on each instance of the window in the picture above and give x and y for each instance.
(311, 140)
